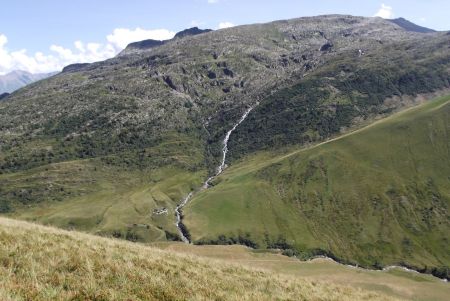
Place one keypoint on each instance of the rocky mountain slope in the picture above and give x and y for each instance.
(206, 81)
(112, 147)
(17, 79)
(409, 26)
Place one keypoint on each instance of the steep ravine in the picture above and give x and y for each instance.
(178, 210)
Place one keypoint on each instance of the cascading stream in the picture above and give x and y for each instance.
(220, 169)
(178, 215)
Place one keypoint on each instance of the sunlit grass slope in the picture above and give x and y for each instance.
(41, 263)
(374, 197)
(112, 195)
(394, 282)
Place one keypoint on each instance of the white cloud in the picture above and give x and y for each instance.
(385, 12)
(60, 57)
(55, 60)
(223, 25)
(213, 1)
(5, 61)
(3, 40)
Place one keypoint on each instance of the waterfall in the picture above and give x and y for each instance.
(205, 185)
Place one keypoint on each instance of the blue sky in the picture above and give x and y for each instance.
(44, 35)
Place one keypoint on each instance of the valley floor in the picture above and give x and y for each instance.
(395, 282)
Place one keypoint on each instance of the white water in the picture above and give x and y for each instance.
(385, 269)
(219, 170)
(222, 167)
(178, 215)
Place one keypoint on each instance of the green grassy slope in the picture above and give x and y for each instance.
(42, 263)
(88, 147)
(110, 195)
(374, 197)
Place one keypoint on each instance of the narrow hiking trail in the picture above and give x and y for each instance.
(178, 210)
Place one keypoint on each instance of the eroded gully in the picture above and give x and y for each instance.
(178, 210)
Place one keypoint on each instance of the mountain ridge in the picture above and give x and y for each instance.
(410, 26)
(146, 127)
(150, 43)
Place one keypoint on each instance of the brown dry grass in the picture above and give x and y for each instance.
(43, 263)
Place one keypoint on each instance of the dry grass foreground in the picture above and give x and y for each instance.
(43, 263)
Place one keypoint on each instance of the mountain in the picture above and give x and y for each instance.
(148, 44)
(17, 79)
(125, 147)
(409, 26)
(3, 95)
(191, 32)
(145, 44)
(75, 67)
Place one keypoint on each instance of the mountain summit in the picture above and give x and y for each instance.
(191, 32)
(18, 78)
(148, 44)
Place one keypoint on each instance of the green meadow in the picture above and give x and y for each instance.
(373, 197)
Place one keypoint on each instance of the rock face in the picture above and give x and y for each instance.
(17, 79)
(326, 47)
(409, 26)
(149, 44)
(75, 67)
(145, 44)
(191, 32)
(3, 95)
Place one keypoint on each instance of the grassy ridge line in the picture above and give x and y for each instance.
(258, 161)
(43, 263)
(435, 105)
(254, 162)
(241, 165)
